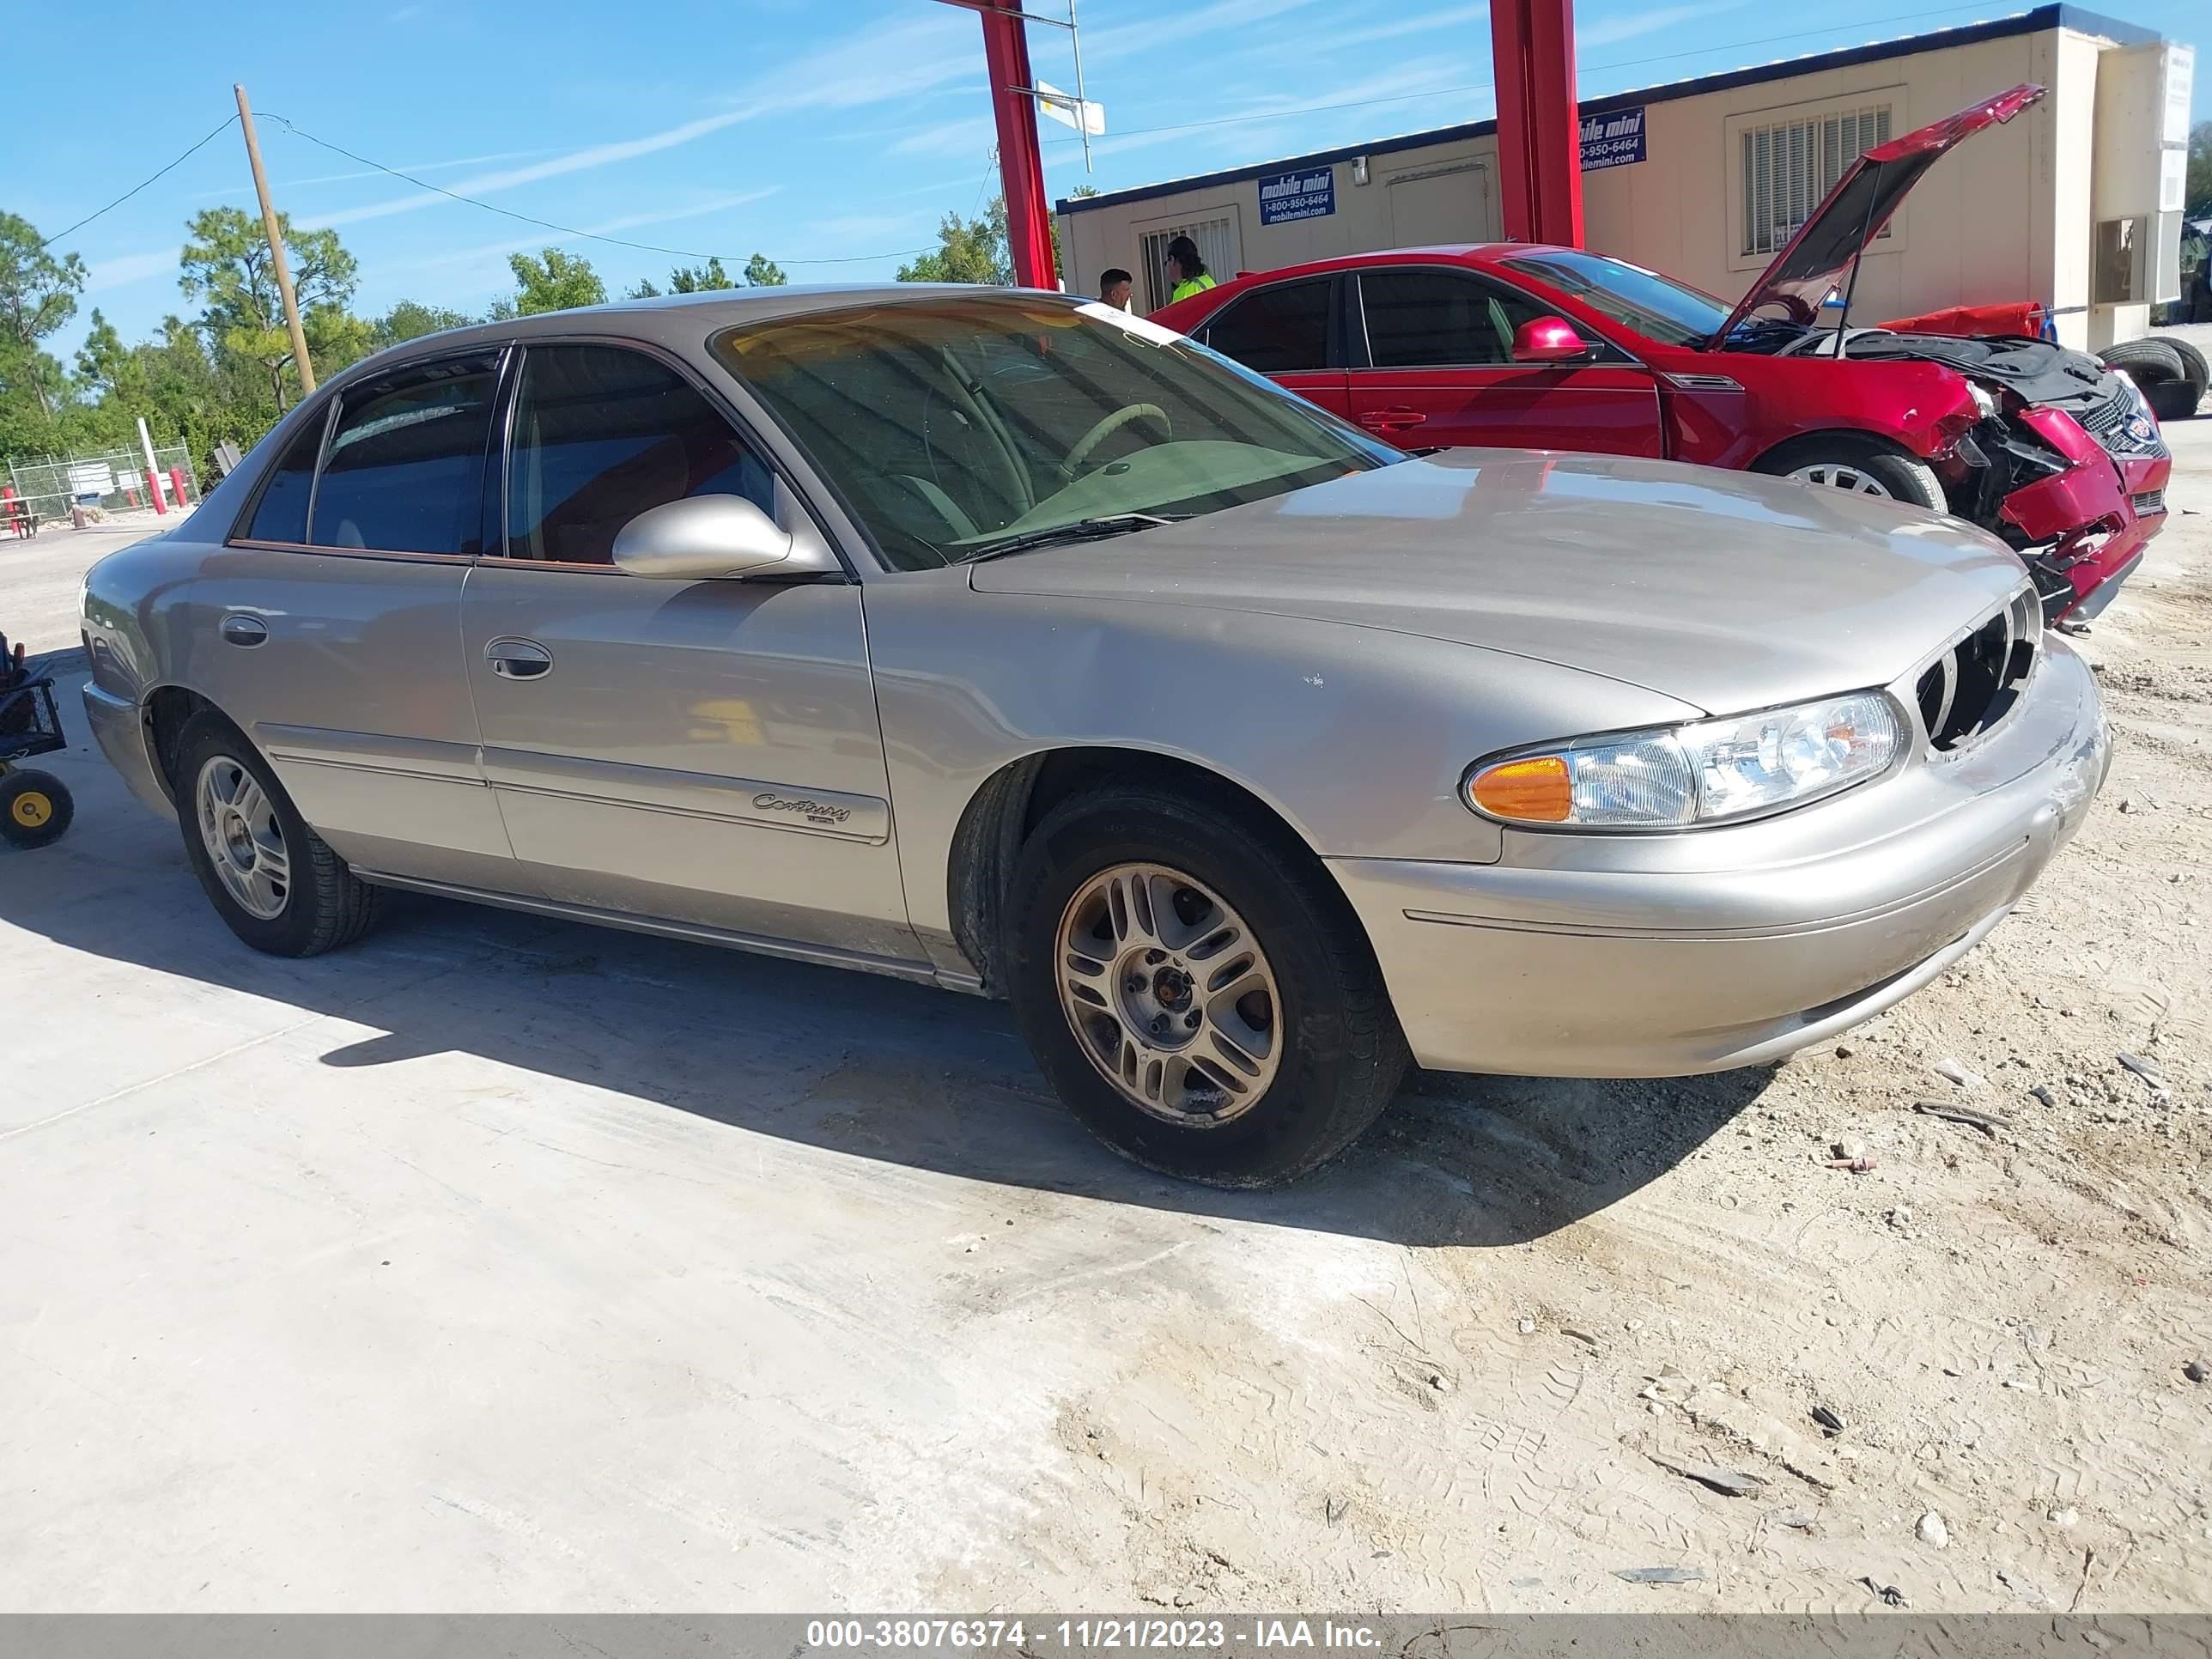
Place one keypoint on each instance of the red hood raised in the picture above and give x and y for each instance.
(1811, 266)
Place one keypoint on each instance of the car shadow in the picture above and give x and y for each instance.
(871, 1068)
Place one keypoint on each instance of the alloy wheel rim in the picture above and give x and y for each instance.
(1838, 475)
(1169, 994)
(243, 839)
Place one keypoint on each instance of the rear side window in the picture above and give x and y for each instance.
(404, 470)
(1439, 319)
(602, 434)
(1276, 329)
(280, 515)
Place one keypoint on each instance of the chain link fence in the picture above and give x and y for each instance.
(35, 492)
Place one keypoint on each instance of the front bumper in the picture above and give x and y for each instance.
(1662, 955)
(121, 733)
(2092, 522)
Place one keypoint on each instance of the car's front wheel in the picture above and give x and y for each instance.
(1196, 990)
(1861, 466)
(273, 880)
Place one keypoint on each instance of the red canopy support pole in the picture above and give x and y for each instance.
(1021, 162)
(1540, 175)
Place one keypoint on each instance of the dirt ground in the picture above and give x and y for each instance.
(500, 1264)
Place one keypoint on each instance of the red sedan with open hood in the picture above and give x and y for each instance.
(1521, 345)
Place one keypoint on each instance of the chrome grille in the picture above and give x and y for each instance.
(1970, 690)
(2121, 421)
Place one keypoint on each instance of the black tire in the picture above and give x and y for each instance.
(35, 807)
(2171, 400)
(1902, 477)
(2195, 369)
(326, 905)
(2147, 362)
(1343, 1053)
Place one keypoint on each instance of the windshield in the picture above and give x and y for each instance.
(1655, 307)
(953, 426)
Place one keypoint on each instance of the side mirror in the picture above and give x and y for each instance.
(1548, 340)
(705, 538)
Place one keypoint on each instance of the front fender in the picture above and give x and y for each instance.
(1357, 737)
(1921, 408)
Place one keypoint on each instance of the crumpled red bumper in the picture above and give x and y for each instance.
(2099, 514)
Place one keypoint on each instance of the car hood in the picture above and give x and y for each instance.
(2039, 372)
(1727, 591)
(1811, 266)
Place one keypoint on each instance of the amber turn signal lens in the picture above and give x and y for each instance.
(1534, 791)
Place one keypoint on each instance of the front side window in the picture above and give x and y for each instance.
(1657, 307)
(403, 472)
(1276, 330)
(281, 514)
(602, 434)
(1439, 319)
(915, 412)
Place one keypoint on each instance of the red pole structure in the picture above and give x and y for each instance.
(1532, 49)
(1021, 162)
(177, 481)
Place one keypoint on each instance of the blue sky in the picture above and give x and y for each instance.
(829, 134)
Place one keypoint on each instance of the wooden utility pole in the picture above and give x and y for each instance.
(275, 247)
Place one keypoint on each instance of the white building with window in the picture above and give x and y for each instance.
(2075, 205)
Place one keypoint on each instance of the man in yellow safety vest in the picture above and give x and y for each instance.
(1186, 270)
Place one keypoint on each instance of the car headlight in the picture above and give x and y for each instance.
(1706, 772)
(1982, 401)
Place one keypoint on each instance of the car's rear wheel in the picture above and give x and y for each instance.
(1859, 466)
(273, 880)
(1196, 990)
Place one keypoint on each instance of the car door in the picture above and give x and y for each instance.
(1437, 344)
(704, 753)
(326, 627)
(1286, 330)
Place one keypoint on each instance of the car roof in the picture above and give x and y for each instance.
(678, 319)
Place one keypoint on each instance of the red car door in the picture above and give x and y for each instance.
(1438, 350)
(1283, 331)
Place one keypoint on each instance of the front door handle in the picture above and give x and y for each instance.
(1396, 418)
(519, 659)
(239, 630)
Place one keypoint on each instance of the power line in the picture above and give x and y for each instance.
(141, 185)
(566, 230)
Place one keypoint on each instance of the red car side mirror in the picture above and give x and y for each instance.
(1548, 340)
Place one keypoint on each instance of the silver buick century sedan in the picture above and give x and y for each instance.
(1000, 641)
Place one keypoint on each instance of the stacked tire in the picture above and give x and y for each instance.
(2170, 372)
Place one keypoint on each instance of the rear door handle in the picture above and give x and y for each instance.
(519, 659)
(1396, 418)
(239, 630)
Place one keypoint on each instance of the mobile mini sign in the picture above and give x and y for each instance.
(1285, 196)
(1613, 140)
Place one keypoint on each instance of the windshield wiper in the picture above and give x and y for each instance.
(1080, 530)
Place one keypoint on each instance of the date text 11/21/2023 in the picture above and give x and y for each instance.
(1090, 1635)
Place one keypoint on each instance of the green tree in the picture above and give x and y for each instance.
(761, 271)
(699, 279)
(225, 266)
(643, 289)
(553, 281)
(37, 294)
(411, 319)
(2198, 192)
(968, 251)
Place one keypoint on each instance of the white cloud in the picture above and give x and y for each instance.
(278, 186)
(1615, 29)
(968, 137)
(1128, 39)
(879, 64)
(128, 268)
(1406, 26)
(524, 242)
